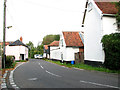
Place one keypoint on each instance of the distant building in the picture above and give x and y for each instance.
(69, 48)
(72, 46)
(17, 49)
(54, 50)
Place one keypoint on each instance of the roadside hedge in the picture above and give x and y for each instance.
(9, 61)
(111, 45)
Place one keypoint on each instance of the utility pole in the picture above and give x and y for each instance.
(4, 32)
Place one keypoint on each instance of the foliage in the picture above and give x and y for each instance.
(40, 49)
(34, 50)
(9, 61)
(111, 44)
(31, 49)
(22, 61)
(50, 38)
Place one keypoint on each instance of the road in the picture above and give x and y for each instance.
(42, 74)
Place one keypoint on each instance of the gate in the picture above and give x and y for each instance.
(79, 57)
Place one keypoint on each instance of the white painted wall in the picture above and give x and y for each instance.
(92, 36)
(96, 26)
(68, 52)
(109, 25)
(55, 52)
(16, 51)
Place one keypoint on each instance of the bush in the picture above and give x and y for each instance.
(111, 45)
(9, 61)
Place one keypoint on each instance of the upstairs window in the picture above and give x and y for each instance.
(90, 6)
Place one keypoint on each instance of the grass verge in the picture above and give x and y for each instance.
(22, 61)
(84, 66)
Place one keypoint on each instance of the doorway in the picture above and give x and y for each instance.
(22, 56)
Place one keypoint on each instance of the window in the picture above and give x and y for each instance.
(89, 6)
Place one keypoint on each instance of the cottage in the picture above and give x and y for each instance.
(17, 49)
(54, 50)
(99, 19)
(71, 45)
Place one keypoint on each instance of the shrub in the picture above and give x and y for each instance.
(111, 45)
(9, 61)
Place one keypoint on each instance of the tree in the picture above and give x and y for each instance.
(31, 49)
(50, 38)
(40, 49)
(111, 44)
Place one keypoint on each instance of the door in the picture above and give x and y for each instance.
(22, 56)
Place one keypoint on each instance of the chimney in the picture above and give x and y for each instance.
(21, 39)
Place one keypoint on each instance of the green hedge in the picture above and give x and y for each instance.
(111, 44)
(9, 61)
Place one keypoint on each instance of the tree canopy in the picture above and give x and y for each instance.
(50, 38)
(34, 50)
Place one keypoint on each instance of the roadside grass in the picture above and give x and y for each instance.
(21, 61)
(84, 66)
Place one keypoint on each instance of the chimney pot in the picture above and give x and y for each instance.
(21, 39)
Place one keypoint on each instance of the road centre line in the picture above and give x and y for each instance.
(42, 67)
(99, 84)
(52, 74)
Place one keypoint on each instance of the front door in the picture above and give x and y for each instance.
(22, 56)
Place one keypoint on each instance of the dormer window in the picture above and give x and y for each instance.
(90, 6)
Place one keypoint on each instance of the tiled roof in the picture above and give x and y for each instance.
(17, 43)
(72, 39)
(6, 43)
(54, 43)
(107, 7)
(46, 47)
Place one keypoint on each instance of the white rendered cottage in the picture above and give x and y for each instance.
(17, 49)
(54, 50)
(70, 43)
(97, 21)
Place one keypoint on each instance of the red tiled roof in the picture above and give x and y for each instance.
(6, 43)
(107, 7)
(46, 47)
(54, 43)
(72, 39)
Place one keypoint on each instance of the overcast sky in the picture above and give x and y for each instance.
(33, 19)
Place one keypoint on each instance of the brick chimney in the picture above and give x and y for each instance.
(21, 39)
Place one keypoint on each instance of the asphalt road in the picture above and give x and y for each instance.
(42, 74)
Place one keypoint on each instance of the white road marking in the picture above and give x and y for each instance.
(53, 74)
(99, 84)
(79, 69)
(32, 79)
(42, 67)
